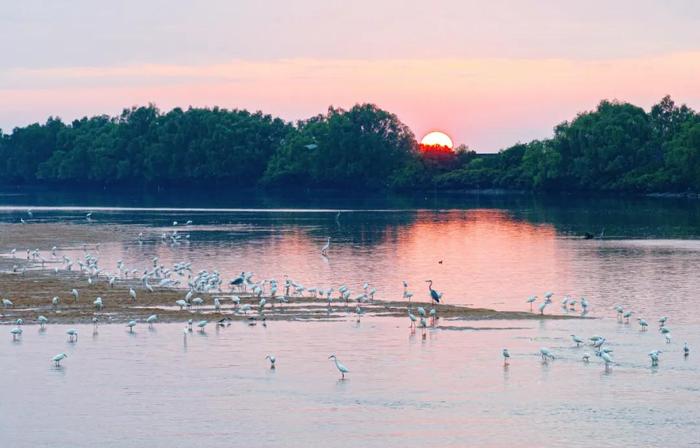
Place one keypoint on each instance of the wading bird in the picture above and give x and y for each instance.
(434, 295)
(546, 354)
(131, 325)
(506, 356)
(58, 358)
(577, 340)
(324, 249)
(643, 324)
(413, 318)
(531, 300)
(72, 335)
(272, 361)
(607, 359)
(151, 320)
(16, 333)
(341, 368)
(654, 355)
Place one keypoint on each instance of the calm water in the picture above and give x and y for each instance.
(447, 390)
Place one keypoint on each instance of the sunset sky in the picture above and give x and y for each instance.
(489, 73)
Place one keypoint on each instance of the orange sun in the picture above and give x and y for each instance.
(437, 138)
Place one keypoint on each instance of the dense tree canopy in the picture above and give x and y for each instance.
(617, 147)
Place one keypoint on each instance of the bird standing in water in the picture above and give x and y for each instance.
(506, 356)
(434, 295)
(324, 249)
(272, 361)
(58, 358)
(341, 367)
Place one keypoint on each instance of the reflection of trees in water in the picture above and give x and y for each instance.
(570, 214)
(620, 217)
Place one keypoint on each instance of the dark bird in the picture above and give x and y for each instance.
(434, 295)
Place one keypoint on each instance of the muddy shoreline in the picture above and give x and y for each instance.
(31, 289)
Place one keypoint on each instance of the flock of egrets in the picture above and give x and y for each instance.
(598, 343)
(268, 291)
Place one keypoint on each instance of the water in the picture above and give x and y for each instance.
(449, 389)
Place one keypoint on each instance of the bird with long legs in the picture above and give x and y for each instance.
(340, 366)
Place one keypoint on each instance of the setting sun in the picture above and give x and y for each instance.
(437, 138)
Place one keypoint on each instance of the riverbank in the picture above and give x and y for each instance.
(31, 283)
(32, 291)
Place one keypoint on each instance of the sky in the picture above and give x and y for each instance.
(488, 73)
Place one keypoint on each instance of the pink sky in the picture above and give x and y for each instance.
(490, 74)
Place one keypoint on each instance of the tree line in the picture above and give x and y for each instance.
(616, 147)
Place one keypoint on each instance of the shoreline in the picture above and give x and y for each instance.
(31, 292)
(31, 285)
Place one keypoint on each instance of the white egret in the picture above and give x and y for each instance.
(606, 358)
(98, 303)
(341, 367)
(654, 355)
(667, 336)
(131, 324)
(42, 321)
(627, 316)
(132, 294)
(506, 356)
(16, 333)
(413, 318)
(577, 340)
(201, 324)
(75, 294)
(244, 308)
(546, 354)
(423, 325)
(55, 301)
(584, 305)
(598, 342)
(324, 249)
(7, 303)
(272, 361)
(643, 324)
(181, 303)
(531, 300)
(72, 335)
(662, 321)
(358, 311)
(619, 310)
(151, 319)
(58, 358)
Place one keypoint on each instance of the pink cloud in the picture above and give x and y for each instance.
(486, 103)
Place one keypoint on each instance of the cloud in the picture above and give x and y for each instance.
(487, 103)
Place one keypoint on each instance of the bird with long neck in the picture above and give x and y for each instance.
(434, 295)
(341, 368)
